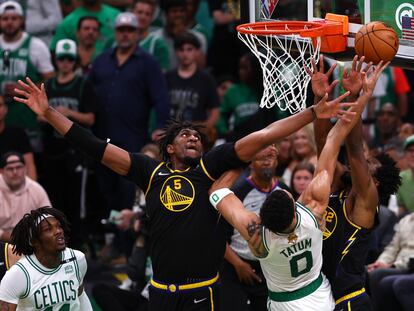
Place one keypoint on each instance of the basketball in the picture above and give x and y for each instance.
(376, 41)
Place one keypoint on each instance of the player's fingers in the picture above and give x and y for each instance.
(382, 66)
(348, 105)
(333, 84)
(345, 74)
(21, 100)
(354, 62)
(32, 85)
(367, 67)
(21, 92)
(256, 277)
(361, 61)
(308, 71)
(314, 65)
(321, 64)
(341, 97)
(346, 115)
(24, 85)
(328, 74)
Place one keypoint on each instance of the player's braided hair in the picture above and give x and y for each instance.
(277, 211)
(171, 131)
(388, 177)
(28, 229)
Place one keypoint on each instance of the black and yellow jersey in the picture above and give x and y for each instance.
(187, 236)
(345, 248)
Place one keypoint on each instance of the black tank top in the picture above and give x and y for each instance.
(345, 248)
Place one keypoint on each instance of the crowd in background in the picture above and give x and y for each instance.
(123, 68)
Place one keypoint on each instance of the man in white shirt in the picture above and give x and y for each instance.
(18, 193)
(21, 55)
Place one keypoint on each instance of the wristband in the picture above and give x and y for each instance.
(218, 195)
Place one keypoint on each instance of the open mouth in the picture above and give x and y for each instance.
(61, 240)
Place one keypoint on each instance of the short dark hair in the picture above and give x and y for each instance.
(277, 211)
(186, 38)
(4, 158)
(88, 17)
(171, 131)
(169, 4)
(28, 229)
(388, 177)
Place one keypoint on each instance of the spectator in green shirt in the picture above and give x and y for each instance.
(104, 13)
(144, 10)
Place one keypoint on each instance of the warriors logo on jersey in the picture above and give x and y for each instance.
(331, 220)
(177, 193)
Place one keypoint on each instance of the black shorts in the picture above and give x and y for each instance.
(359, 303)
(199, 299)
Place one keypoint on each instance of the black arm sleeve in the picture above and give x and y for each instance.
(86, 141)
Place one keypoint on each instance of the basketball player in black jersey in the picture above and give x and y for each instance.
(352, 210)
(187, 239)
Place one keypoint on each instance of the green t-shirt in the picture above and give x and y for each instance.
(205, 20)
(19, 68)
(157, 47)
(239, 103)
(405, 194)
(68, 27)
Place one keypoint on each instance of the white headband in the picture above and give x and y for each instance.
(41, 218)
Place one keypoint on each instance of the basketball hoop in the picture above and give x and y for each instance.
(285, 49)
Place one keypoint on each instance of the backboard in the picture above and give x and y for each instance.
(399, 14)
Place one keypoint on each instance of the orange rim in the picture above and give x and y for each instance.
(312, 29)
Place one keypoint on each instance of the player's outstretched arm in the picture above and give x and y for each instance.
(232, 209)
(316, 196)
(364, 195)
(248, 146)
(320, 86)
(35, 98)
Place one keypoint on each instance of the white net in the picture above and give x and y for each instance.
(283, 59)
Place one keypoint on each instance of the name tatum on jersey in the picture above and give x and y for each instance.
(291, 250)
(54, 293)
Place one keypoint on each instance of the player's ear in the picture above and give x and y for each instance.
(170, 149)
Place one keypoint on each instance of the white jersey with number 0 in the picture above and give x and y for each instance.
(31, 286)
(294, 260)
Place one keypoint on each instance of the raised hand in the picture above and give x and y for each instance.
(325, 109)
(320, 79)
(32, 96)
(352, 80)
(370, 78)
